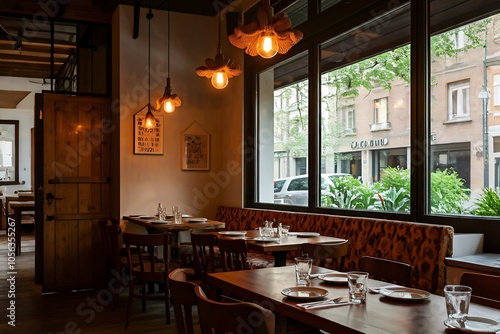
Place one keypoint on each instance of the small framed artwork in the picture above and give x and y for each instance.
(195, 148)
(148, 141)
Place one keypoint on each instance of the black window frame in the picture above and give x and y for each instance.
(319, 28)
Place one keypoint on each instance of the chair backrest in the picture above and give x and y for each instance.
(238, 317)
(485, 288)
(325, 251)
(111, 240)
(387, 270)
(204, 259)
(233, 254)
(147, 247)
(182, 294)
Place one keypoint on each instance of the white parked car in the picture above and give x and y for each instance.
(294, 190)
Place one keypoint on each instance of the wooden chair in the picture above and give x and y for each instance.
(233, 254)
(114, 253)
(485, 288)
(183, 297)
(232, 317)
(387, 270)
(322, 252)
(150, 269)
(204, 257)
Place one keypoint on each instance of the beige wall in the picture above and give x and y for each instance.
(146, 180)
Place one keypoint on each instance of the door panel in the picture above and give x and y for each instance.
(76, 173)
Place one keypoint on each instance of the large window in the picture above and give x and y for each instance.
(346, 102)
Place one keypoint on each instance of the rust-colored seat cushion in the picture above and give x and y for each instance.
(424, 246)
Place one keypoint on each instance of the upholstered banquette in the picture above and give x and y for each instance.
(424, 246)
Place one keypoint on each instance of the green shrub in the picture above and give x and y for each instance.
(488, 204)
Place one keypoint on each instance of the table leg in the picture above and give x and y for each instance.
(280, 258)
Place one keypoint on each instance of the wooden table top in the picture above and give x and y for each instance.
(289, 243)
(185, 225)
(378, 315)
(24, 205)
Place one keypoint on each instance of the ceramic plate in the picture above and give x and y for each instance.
(233, 233)
(197, 220)
(304, 292)
(474, 325)
(404, 294)
(160, 222)
(335, 278)
(147, 217)
(304, 234)
(264, 239)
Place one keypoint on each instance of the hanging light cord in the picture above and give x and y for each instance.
(168, 36)
(149, 16)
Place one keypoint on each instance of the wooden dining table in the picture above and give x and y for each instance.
(281, 246)
(378, 315)
(169, 225)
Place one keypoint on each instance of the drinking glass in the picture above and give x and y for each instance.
(284, 230)
(303, 266)
(457, 299)
(176, 212)
(358, 285)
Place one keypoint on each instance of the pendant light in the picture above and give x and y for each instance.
(219, 69)
(168, 101)
(149, 121)
(267, 37)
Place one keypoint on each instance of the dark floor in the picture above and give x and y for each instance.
(68, 312)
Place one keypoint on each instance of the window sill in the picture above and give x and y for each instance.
(380, 126)
(458, 120)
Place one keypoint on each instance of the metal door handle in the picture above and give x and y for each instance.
(50, 197)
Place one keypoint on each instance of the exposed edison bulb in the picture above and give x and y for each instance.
(149, 120)
(169, 105)
(220, 80)
(267, 45)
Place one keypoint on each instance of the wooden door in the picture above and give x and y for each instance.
(76, 189)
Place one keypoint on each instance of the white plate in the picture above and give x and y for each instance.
(304, 292)
(264, 239)
(304, 234)
(185, 215)
(474, 325)
(233, 233)
(147, 217)
(197, 220)
(404, 294)
(160, 222)
(335, 278)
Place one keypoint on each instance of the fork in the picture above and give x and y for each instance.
(328, 301)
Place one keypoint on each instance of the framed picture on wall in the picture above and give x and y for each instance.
(148, 141)
(195, 148)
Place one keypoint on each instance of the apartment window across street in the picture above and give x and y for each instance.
(355, 109)
(496, 90)
(458, 100)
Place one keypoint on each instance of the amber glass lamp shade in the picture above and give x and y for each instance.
(149, 120)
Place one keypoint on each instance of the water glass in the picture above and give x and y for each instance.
(284, 230)
(176, 212)
(303, 266)
(457, 299)
(358, 285)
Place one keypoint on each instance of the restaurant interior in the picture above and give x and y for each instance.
(139, 140)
